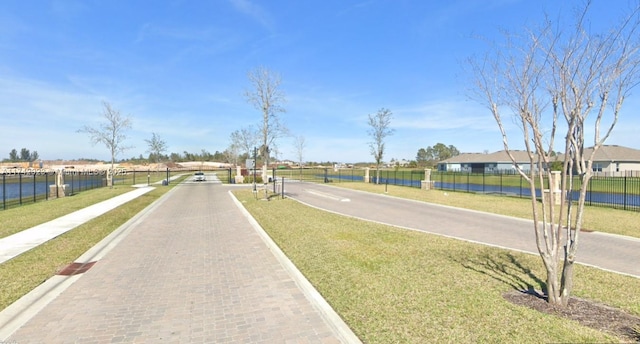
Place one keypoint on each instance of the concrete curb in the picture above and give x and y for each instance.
(339, 327)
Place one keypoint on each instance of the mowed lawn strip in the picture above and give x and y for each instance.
(401, 286)
(23, 273)
(16, 219)
(601, 219)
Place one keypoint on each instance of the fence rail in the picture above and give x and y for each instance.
(27, 186)
(615, 192)
(23, 187)
(620, 192)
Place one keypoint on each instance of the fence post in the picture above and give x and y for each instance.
(468, 175)
(520, 186)
(483, 181)
(590, 191)
(20, 193)
(625, 192)
(4, 191)
(34, 187)
(46, 186)
(282, 187)
(454, 181)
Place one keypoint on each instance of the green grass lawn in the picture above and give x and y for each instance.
(16, 219)
(601, 219)
(397, 286)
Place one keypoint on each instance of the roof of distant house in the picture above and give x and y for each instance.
(604, 153)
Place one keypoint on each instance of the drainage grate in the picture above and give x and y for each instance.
(75, 269)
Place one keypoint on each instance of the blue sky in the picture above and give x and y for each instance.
(179, 68)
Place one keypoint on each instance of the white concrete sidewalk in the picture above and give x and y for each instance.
(27, 239)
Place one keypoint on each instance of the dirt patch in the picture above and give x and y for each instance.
(588, 313)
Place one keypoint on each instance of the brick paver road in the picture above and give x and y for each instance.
(193, 271)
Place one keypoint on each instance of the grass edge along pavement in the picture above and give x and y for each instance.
(23, 273)
(16, 219)
(601, 219)
(396, 285)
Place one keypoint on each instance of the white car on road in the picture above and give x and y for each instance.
(199, 177)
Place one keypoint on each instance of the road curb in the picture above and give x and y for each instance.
(339, 327)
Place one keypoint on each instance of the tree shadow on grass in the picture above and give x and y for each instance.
(506, 268)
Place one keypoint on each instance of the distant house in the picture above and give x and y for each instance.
(614, 160)
(610, 160)
(485, 162)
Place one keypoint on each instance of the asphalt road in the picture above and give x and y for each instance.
(605, 251)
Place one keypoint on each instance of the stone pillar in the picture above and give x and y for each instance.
(109, 180)
(265, 177)
(239, 179)
(366, 175)
(426, 183)
(553, 194)
(555, 181)
(59, 189)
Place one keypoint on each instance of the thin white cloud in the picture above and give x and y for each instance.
(355, 7)
(31, 100)
(150, 30)
(444, 115)
(255, 11)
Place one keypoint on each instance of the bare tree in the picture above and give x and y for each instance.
(378, 130)
(111, 133)
(245, 140)
(300, 145)
(267, 97)
(157, 147)
(557, 72)
(232, 154)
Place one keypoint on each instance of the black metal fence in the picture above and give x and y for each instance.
(325, 175)
(25, 186)
(621, 192)
(616, 192)
(29, 186)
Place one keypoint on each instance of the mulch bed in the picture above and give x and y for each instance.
(588, 313)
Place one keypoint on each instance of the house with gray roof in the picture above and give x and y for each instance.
(614, 160)
(610, 160)
(485, 162)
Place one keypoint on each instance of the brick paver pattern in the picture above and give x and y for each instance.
(194, 271)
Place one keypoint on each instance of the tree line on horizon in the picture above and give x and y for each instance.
(24, 156)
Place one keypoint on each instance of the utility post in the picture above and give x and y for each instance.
(255, 156)
(265, 167)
